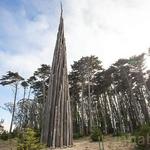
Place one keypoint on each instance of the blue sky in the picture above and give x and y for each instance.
(23, 24)
(109, 29)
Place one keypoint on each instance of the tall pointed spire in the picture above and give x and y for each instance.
(61, 9)
(57, 123)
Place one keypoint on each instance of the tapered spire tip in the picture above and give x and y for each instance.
(61, 7)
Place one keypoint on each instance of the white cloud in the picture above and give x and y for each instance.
(109, 29)
(30, 43)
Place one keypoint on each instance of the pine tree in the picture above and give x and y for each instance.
(12, 78)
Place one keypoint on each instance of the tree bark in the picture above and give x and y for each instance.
(57, 121)
(14, 107)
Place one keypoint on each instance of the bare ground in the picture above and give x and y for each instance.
(8, 145)
(110, 143)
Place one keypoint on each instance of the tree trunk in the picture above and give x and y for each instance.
(89, 106)
(14, 107)
(82, 112)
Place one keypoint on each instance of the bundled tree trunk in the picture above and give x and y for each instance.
(57, 122)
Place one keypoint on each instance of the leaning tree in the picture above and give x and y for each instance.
(12, 78)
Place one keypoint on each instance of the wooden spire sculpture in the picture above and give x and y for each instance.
(57, 122)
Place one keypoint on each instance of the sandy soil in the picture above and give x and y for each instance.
(8, 145)
(110, 143)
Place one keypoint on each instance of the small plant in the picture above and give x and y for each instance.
(117, 134)
(77, 135)
(13, 134)
(28, 140)
(96, 134)
(4, 136)
(143, 137)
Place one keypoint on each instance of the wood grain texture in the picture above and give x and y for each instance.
(57, 121)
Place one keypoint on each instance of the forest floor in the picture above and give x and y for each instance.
(110, 143)
(8, 145)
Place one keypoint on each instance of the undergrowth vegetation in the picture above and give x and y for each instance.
(96, 134)
(29, 140)
(143, 137)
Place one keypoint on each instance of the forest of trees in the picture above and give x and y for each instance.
(116, 99)
(89, 101)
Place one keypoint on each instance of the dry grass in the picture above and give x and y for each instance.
(8, 145)
(110, 143)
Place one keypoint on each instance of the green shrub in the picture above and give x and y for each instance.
(4, 136)
(143, 137)
(121, 135)
(77, 135)
(96, 134)
(13, 134)
(118, 134)
(28, 140)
